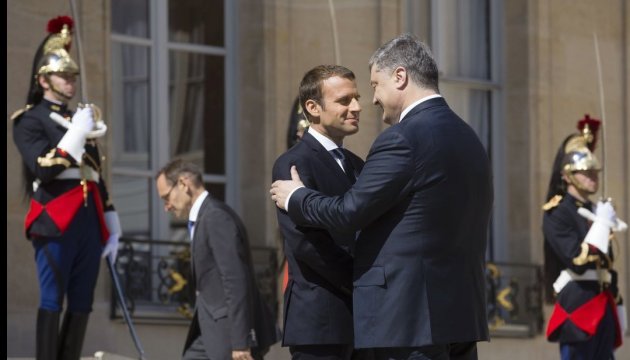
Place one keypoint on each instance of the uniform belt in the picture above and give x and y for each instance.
(73, 174)
(85, 173)
(589, 275)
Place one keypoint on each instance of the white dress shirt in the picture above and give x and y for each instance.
(194, 211)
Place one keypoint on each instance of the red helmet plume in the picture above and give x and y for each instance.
(55, 25)
(589, 127)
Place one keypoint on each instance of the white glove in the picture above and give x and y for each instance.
(605, 219)
(83, 120)
(606, 211)
(623, 318)
(115, 232)
(73, 142)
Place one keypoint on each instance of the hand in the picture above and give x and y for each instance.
(115, 232)
(83, 120)
(606, 211)
(242, 355)
(111, 248)
(281, 189)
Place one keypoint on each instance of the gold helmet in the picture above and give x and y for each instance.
(580, 160)
(55, 57)
(57, 61)
(578, 156)
(575, 153)
(52, 56)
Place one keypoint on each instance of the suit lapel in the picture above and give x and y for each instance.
(322, 155)
(197, 236)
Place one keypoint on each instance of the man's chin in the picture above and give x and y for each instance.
(353, 130)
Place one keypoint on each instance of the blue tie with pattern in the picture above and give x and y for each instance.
(191, 226)
(339, 153)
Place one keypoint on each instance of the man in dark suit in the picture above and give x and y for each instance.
(231, 321)
(318, 297)
(423, 204)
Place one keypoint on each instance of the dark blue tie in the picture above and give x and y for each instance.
(191, 225)
(339, 153)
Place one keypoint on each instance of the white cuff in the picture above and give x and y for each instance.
(113, 223)
(623, 318)
(73, 142)
(286, 202)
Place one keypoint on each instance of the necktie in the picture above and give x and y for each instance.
(191, 226)
(347, 165)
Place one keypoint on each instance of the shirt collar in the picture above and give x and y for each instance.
(194, 211)
(326, 142)
(56, 106)
(413, 105)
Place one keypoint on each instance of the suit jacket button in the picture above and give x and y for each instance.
(197, 293)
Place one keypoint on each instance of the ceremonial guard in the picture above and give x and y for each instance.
(588, 316)
(71, 221)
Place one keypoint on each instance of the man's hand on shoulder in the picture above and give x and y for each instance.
(282, 189)
(242, 355)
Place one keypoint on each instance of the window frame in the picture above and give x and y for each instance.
(160, 141)
(497, 244)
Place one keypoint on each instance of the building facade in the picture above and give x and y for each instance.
(214, 82)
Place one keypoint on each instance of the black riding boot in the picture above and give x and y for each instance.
(47, 334)
(72, 334)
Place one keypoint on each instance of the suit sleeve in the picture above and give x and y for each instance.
(386, 178)
(42, 158)
(224, 240)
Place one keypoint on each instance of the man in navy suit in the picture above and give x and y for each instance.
(423, 204)
(318, 297)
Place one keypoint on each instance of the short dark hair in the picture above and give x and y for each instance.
(409, 52)
(311, 84)
(177, 167)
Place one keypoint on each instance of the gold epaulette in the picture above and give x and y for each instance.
(552, 203)
(19, 112)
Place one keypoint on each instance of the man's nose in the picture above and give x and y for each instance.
(355, 106)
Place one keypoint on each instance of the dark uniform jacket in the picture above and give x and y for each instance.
(318, 297)
(422, 204)
(565, 230)
(36, 136)
(229, 311)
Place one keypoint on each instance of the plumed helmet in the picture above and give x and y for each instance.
(55, 57)
(578, 149)
(52, 55)
(575, 153)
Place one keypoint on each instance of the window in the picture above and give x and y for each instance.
(171, 73)
(465, 39)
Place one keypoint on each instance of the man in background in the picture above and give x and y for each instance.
(231, 321)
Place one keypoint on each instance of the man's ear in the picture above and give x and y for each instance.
(313, 108)
(400, 77)
(565, 179)
(43, 82)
